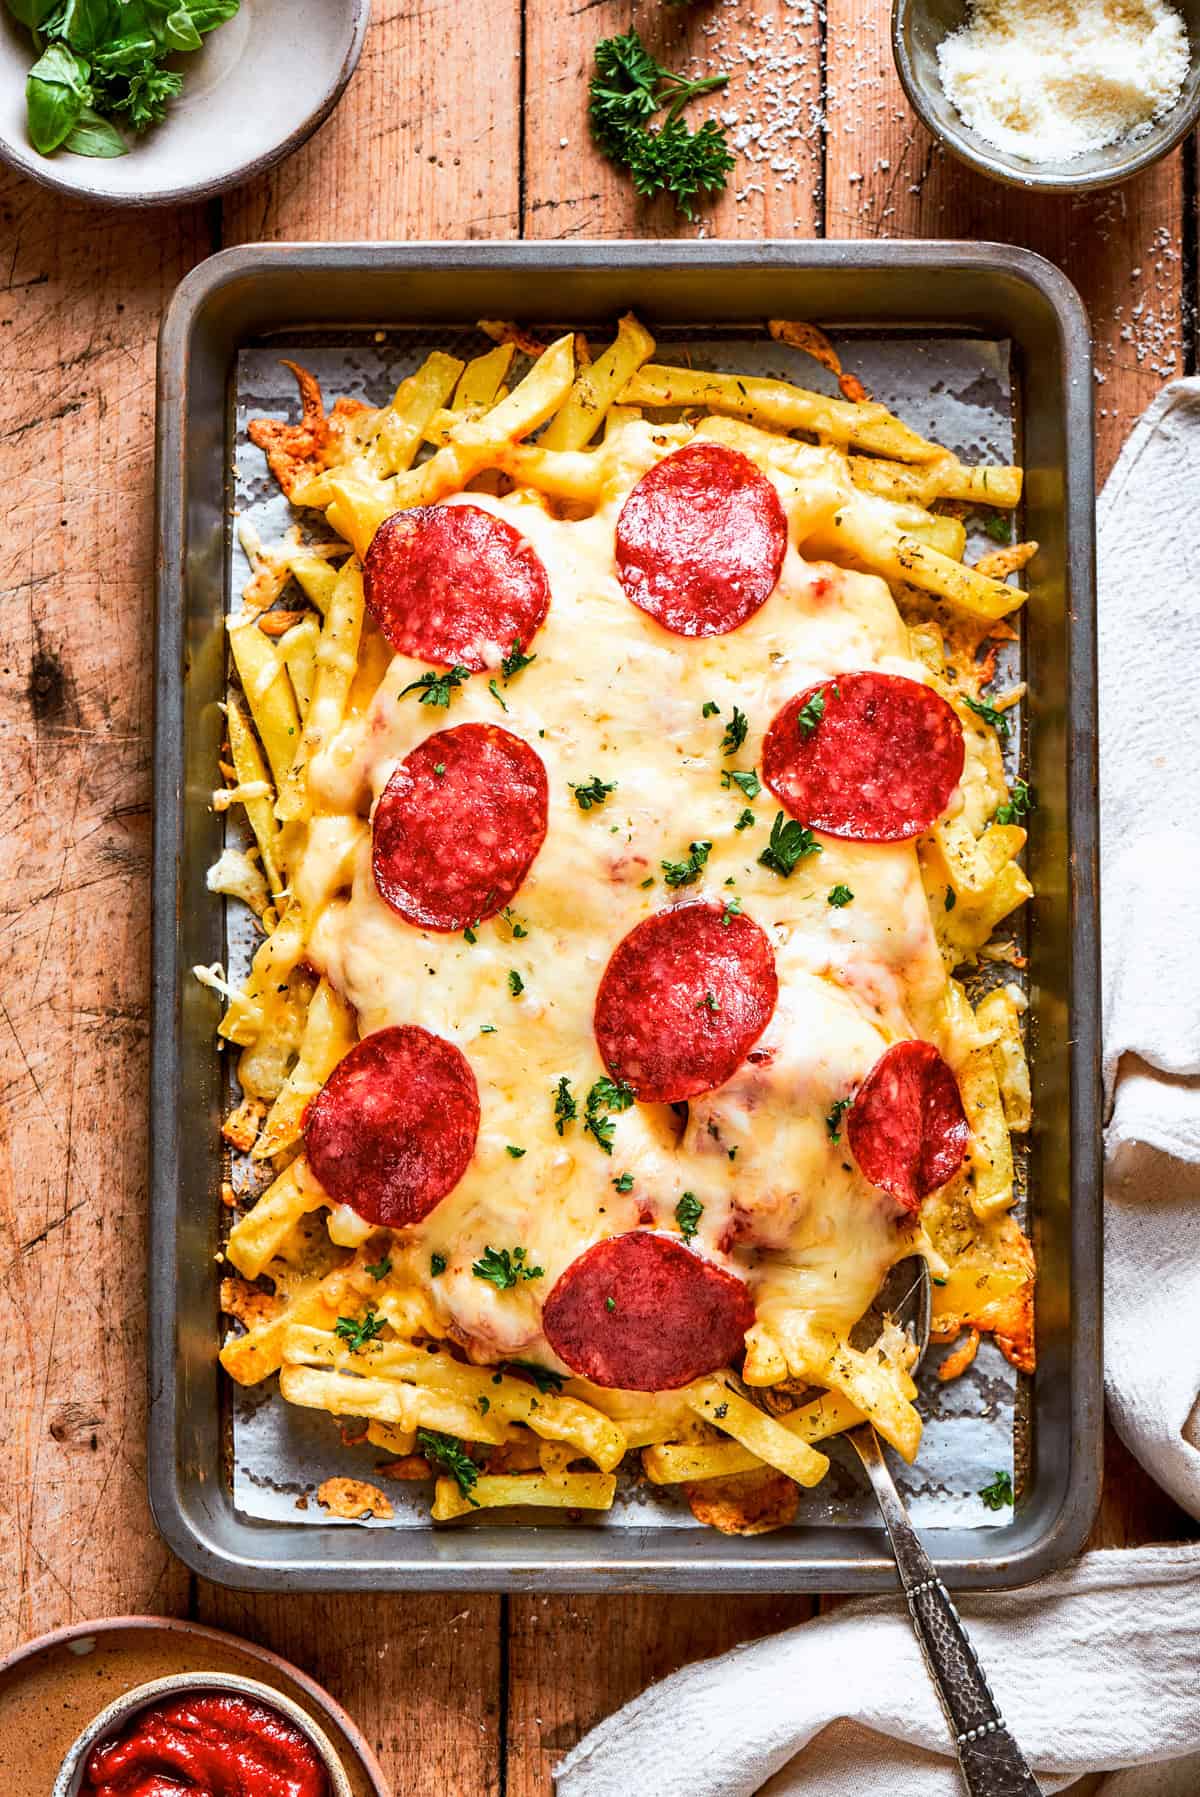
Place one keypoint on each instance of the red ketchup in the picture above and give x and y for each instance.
(211, 1745)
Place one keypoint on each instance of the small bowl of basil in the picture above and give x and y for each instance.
(152, 102)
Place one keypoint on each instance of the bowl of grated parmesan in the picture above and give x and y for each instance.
(1063, 95)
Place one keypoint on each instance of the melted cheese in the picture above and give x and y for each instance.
(613, 695)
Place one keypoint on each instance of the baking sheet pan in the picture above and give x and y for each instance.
(1002, 320)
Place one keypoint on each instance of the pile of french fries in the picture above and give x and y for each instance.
(865, 487)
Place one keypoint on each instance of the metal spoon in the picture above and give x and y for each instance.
(991, 1763)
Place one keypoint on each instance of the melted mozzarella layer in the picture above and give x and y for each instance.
(614, 696)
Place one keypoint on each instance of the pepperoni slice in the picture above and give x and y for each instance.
(906, 1128)
(874, 756)
(701, 540)
(683, 1000)
(458, 825)
(393, 1129)
(643, 1313)
(454, 584)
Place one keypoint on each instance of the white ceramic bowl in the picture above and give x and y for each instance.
(257, 88)
(114, 1718)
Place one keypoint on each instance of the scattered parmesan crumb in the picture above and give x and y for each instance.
(1050, 82)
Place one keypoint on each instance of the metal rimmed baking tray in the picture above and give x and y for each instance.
(247, 296)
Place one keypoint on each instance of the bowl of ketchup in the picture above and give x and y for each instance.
(201, 1734)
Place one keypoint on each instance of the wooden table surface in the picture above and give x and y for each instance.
(466, 120)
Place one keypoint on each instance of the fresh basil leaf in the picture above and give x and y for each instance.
(94, 136)
(56, 92)
(33, 13)
(207, 15)
(88, 23)
(179, 30)
(124, 54)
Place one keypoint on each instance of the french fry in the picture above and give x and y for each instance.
(337, 660)
(597, 387)
(298, 646)
(500, 1491)
(400, 427)
(329, 1035)
(718, 1403)
(256, 1238)
(859, 532)
(945, 477)
(999, 1017)
(778, 405)
(251, 768)
(268, 692)
(483, 378)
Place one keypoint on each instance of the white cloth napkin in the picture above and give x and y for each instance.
(1097, 1671)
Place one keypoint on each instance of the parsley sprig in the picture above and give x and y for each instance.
(448, 1451)
(505, 1267)
(990, 715)
(357, 1332)
(735, 732)
(688, 1213)
(810, 714)
(999, 1492)
(591, 792)
(1018, 804)
(606, 1096)
(628, 88)
(746, 779)
(437, 689)
(833, 1121)
(790, 843)
(686, 873)
(566, 1109)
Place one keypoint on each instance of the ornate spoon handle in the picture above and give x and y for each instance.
(992, 1763)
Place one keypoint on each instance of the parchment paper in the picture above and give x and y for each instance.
(957, 391)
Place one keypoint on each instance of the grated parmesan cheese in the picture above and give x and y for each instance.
(1049, 80)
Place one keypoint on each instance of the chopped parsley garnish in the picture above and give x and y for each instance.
(470, 936)
(517, 1153)
(484, 1405)
(542, 1376)
(610, 1303)
(838, 896)
(591, 792)
(439, 768)
(565, 1108)
(497, 696)
(437, 689)
(710, 709)
(811, 714)
(999, 529)
(745, 820)
(688, 1213)
(447, 1451)
(833, 1121)
(380, 1269)
(504, 1267)
(614, 1095)
(950, 900)
(710, 1001)
(645, 883)
(735, 733)
(686, 873)
(990, 715)
(605, 1095)
(624, 1182)
(733, 908)
(487, 1029)
(516, 984)
(745, 778)
(514, 661)
(628, 87)
(437, 1265)
(357, 1334)
(1018, 804)
(790, 843)
(514, 923)
(999, 1492)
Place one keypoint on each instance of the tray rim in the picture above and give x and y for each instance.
(618, 1560)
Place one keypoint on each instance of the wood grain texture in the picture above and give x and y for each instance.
(573, 1660)
(886, 177)
(771, 52)
(425, 144)
(79, 307)
(448, 130)
(420, 1675)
